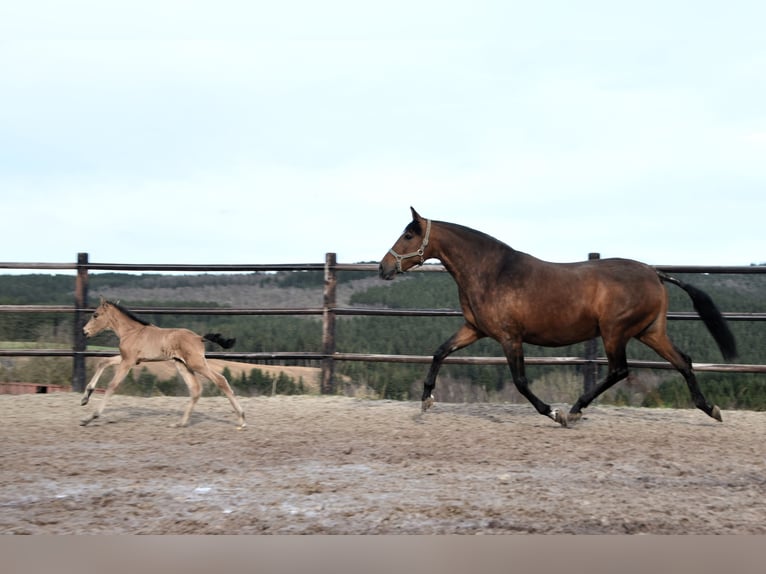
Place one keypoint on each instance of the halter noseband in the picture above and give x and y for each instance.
(418, 253)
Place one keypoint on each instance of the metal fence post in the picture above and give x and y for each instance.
(79, 342)
(590, 369)
(328, 324)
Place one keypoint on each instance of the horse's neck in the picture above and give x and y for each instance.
(472, 257)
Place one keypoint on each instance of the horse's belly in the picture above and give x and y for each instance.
(561, 335)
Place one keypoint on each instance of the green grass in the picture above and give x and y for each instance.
(13, 345)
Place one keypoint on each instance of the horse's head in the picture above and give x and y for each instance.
(411, 249)
(100, 320)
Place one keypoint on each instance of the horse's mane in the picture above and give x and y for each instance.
(128, 312)
(474, 233)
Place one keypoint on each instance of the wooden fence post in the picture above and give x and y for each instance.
(590, 369)
(80, 340)
(328, 324)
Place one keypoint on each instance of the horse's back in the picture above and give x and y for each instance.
(625, 272)
(619, 283)
(615, 273)
(562, 303)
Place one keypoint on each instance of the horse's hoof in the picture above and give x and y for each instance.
(428, 403)
(243, 426)
(716, 414)
(84, 401)
(84, 422)
(559, 416)
(573, 418)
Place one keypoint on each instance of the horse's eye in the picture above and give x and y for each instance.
(408, 236)
(95, 315)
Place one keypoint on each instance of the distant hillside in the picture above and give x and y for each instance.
(398, 335)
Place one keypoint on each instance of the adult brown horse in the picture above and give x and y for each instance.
(515, 298)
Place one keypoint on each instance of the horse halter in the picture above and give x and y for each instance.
(418, 253)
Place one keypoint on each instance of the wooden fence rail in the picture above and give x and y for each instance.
(329, 312)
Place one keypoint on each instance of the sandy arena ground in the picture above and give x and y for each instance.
(336, 465)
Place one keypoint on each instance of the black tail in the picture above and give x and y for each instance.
(219, 339)
(710, 315)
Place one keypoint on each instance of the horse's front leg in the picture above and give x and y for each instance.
(464, 336)
(102, 364)
(120, 373)
(514, 352)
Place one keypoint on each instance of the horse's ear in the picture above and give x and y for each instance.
(415, 214)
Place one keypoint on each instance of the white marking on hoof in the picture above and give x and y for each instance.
(559, 416)
(716, 414)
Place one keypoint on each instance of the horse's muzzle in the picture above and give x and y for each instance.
(386, 272)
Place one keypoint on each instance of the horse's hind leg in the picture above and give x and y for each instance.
(120, 373)
(223, 384)
(660, 342)
(195, 390)
(102, 364)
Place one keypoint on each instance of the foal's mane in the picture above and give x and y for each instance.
(128, 312)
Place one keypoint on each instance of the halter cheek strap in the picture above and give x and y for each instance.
(418, 253)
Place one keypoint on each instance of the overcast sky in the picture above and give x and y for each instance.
(226, 131)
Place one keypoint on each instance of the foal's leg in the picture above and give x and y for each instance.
(462, 338)
(514, 352)
(195, 390)
(120, 373)
(102, 364)
(223, 384)
(660, 342)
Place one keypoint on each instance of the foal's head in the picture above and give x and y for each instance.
(101, 319)
(410, 249)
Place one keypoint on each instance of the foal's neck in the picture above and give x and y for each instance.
(123, 324)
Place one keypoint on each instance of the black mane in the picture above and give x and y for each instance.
(128, 312)
(477, 235)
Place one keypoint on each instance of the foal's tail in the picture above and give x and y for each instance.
(710, 315)
(220, 340)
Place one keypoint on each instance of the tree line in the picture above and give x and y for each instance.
(413, 335)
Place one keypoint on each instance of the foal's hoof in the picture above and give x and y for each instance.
(716, 414)
(428, 403)
(559, 416)
(243, 426)
(84, 401)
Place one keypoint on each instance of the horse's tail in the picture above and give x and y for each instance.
(710, 315)
(220, 340)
